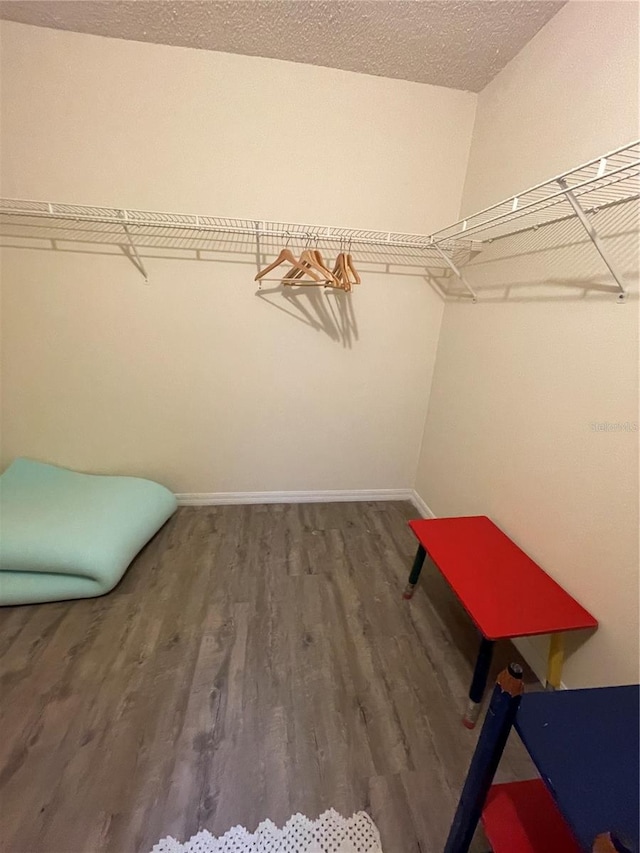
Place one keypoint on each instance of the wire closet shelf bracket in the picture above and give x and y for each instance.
(604, 182)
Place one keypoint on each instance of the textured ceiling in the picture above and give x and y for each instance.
(461, 44)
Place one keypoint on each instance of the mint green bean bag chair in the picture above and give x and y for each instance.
(68, 535)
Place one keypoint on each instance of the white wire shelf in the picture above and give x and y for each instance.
(153, 222)
(601, 183)
(611, 179)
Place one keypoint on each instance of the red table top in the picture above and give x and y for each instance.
(504, 591)
(521, 817)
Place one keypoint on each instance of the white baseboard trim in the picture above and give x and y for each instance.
(220, 498)
(424, 510)
(523, 644)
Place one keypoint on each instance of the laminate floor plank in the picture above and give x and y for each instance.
(255, 661)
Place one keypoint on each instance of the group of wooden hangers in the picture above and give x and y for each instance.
(310, 270)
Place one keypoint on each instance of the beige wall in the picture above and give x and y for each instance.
(193, 380)
(521, 377)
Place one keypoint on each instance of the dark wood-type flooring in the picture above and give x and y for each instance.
(255, 661)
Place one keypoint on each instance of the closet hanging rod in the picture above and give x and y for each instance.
(542, 204)
(134, 219)
(603, 181)
(612, 178)
(563, 217)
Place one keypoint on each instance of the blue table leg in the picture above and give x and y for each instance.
(479, 682)
(493, 737)
(415, 572)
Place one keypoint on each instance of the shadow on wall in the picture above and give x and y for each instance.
(556, 262)
(325, 310)
(549, 263)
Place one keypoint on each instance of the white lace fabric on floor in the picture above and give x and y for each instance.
(330, 833)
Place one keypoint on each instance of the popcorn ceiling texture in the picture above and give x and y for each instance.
(461, 44)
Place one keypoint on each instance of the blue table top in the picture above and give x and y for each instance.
(586, 746)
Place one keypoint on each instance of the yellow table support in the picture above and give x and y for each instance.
(556, 660)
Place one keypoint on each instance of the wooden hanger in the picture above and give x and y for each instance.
(320, 262)
(304, 262)
(287, 256)
(341, 273)
(310, 259)
(296, 274)
(348, 273)
(352, 270)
